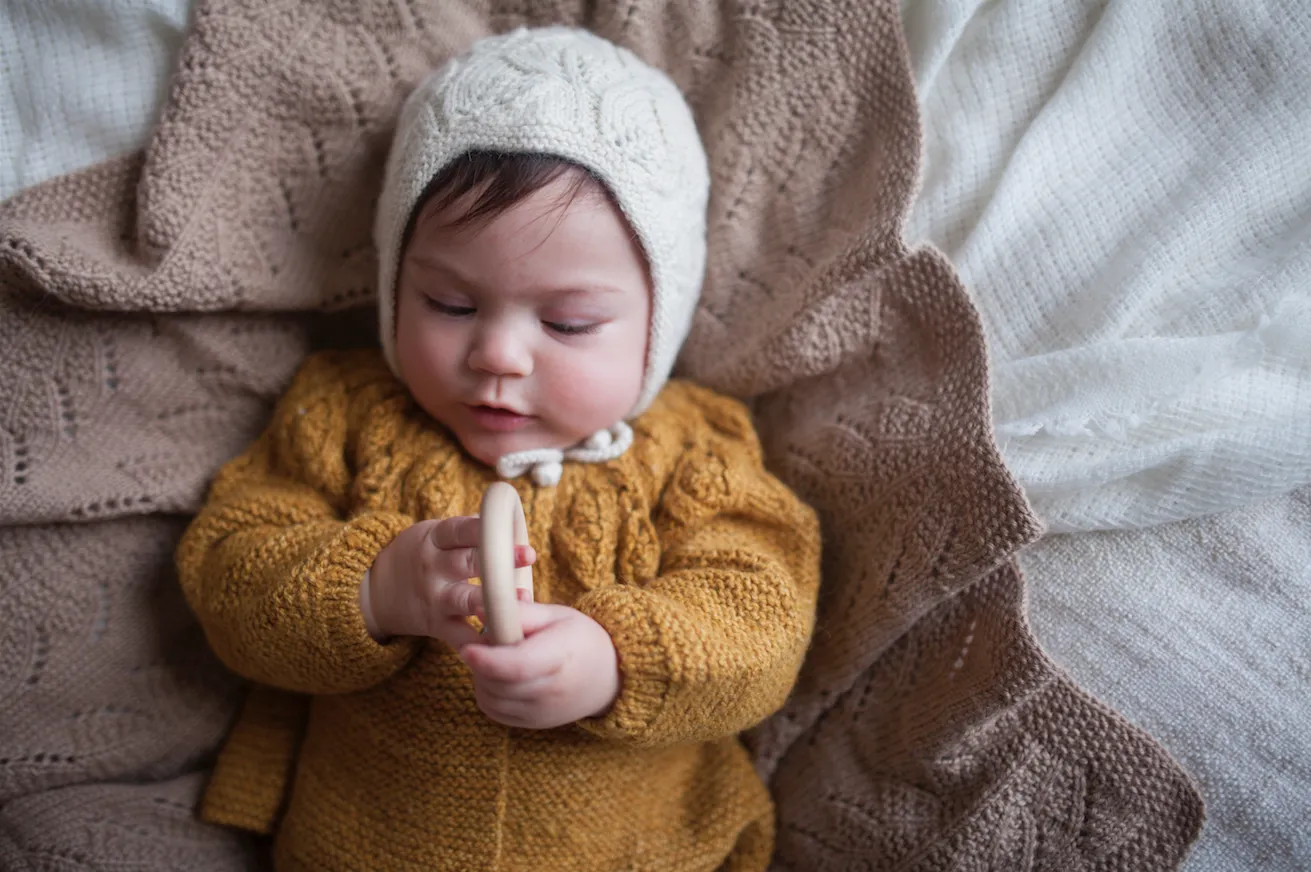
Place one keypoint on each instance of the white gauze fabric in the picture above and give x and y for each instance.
(81, 80)
(1125, 188)
(1200, 633)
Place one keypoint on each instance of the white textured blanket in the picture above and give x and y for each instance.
(80, 81)
(1125, 187)
(1088, 166)
(1200, 632)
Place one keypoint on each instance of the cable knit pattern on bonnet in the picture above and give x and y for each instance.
(572, 94)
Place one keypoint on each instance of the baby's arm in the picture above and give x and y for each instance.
(713, 644)
(272, 566)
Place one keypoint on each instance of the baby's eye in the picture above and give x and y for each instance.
(571, 329)
(448, 309)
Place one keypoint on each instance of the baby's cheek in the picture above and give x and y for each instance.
(429, 358)
(599, 388)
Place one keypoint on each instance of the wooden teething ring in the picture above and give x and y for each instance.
(502, 529)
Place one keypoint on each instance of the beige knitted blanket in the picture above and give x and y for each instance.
(152, 307)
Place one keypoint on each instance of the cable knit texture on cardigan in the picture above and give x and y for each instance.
(152, 308)
(701, 565)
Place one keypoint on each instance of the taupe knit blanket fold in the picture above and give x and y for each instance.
(152, 307)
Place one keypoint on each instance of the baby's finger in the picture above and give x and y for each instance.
(459, 532)
(523, 556)
(457, 600)
(533, 616)
(511, 713)
(457, 633)
(508, 664)
(516, 691)
(536, 616)
(453, 564)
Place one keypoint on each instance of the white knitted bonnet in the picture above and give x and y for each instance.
(569, 93)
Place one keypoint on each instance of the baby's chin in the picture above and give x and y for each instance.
(488, 448)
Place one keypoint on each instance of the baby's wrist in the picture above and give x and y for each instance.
(366, 609)
(612, 679)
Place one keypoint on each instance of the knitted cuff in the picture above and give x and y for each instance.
(644, 664)
(358, 657)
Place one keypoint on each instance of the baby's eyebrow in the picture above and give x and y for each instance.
(579, 290)
(430, 263)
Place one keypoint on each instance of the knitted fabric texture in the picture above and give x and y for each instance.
(701, 566)
(566, 92)
(926, 731)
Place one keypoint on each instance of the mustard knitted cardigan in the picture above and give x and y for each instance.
(702, 566)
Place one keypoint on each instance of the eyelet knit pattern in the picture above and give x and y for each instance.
(152, 308)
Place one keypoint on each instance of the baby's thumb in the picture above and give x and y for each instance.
(536, 617)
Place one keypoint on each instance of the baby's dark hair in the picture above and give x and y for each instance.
(505, 178)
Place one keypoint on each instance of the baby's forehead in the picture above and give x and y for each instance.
(429, 263)
(544, 248)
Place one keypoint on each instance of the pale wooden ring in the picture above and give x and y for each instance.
(502, 528)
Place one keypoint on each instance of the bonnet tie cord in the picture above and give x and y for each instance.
(547, 464)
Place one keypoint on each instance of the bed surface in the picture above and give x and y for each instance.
(1195, 267)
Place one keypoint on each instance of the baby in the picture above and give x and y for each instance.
(541, 237)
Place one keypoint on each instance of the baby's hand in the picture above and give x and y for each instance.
(419, 584)
(564, 670)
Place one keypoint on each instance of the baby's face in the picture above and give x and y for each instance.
(530, 330)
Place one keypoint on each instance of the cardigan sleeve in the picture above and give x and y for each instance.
(272, 564)
(713, 644)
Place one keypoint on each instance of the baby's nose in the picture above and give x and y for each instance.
(499, 351)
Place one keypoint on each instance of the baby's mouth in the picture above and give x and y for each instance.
(498, 419)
